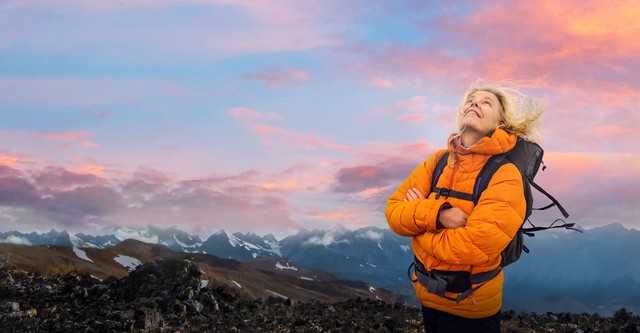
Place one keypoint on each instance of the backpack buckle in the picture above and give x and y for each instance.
(443, 191)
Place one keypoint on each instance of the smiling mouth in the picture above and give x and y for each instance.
(473, 112)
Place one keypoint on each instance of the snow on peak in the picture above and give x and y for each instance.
(275, 247)
(185, 246)
(131, 233)
(234, 241)
(75, 241)
(78, 242)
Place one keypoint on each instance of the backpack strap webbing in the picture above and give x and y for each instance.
(437, 282)
(482, 181)
(554, 202)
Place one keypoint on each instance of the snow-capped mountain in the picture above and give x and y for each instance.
(240, 246)
(371, 254)
(594, 271)
(172, 238)
(52, 237)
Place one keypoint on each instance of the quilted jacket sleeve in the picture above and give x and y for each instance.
(490, 226)
(415, 217)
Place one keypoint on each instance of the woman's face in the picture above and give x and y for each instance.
(481, 113)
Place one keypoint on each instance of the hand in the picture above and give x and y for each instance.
(453, 218)
(414, 194)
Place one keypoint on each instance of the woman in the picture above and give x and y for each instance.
(452, 237)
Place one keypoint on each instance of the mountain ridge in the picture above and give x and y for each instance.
(596, 269)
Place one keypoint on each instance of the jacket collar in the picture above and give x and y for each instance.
(499, 142)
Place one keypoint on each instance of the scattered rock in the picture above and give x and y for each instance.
(166, 296)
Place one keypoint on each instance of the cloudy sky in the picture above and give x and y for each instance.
(270, 116)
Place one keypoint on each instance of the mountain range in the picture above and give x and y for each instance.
(592, 272)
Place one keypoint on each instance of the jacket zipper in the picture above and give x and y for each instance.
(454, 166)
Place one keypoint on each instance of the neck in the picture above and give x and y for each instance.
(469, 138)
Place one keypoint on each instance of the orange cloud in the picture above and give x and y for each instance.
(8, 160)
(92, 169)
(290, 184)
(618, 19)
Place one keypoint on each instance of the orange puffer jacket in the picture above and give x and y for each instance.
(490, 226)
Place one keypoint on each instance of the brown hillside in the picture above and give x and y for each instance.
(257, 280)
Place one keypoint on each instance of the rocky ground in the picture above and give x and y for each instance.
(168, 296)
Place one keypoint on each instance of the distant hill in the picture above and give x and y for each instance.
(268, 279)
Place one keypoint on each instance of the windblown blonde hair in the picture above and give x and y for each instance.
(521, 114)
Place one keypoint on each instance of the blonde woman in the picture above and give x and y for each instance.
(453, 239)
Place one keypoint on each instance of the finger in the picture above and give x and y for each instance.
(417, 193)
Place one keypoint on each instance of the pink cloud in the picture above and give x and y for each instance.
(173, 91)
(78, 201)
(413, 104)
(412, 118)
(336, 215)
(376, 151)
(277, 77)
(79, 138)
(416, 103)
(297, 139)
(242, 113)
(381, 83)
(557, 42)
(578, 56)
(591, 187)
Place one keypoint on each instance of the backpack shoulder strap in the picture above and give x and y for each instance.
(484, 177)
(438, 170)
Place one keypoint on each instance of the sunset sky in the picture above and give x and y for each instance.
(271, 116)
